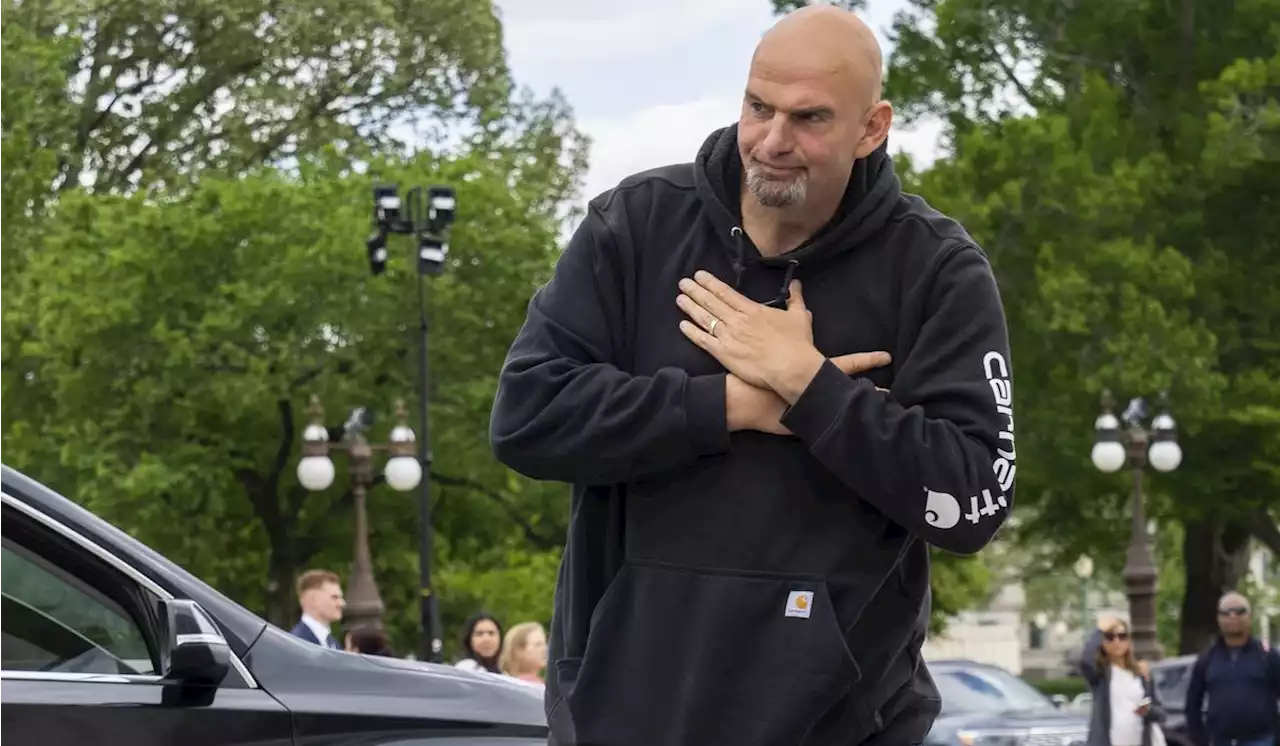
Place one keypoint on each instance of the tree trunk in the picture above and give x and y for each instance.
(281, 601)
(1214, 560)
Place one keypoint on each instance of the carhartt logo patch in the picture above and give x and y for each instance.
(799, 604)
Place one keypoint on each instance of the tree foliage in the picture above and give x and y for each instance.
(31, 91)
(168, 310)
(1118, 161)
(171, 349)
(160, 91)
(1127, 218)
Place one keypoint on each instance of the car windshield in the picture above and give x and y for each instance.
(982, 689)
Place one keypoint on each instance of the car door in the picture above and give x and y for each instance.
(80, 652)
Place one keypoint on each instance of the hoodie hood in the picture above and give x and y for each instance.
(868, 201)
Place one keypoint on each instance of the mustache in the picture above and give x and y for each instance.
(777, 166)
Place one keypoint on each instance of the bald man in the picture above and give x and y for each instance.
(773, 380)
(1241, 678)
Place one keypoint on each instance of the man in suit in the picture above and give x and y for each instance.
(320, 596)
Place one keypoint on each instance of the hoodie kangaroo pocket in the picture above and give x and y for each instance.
(687, 657)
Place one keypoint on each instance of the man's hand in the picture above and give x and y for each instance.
(765, 347)
(750, 407)
(752, 341)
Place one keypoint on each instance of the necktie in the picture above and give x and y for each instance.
(331, 642)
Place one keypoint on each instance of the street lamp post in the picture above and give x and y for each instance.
(402, 472)
(1138, 445)
(427, 215)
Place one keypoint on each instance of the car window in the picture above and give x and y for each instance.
(1171, 683)
(55, 622)
(982, 690)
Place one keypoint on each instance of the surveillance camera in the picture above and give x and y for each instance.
(388, 212)
(386, 203)
(432, 253)
(441, 204)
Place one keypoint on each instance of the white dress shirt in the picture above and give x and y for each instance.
(318, 628)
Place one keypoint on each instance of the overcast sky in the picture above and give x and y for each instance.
(649, 80)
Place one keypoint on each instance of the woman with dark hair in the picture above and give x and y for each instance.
(1126, 710)
(482, 640)
(369, 641)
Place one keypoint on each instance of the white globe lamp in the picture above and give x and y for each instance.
(403, 473)
(1108, 456)
(1108, 453)
(315, 473)
(315, 470)
(1165, 455)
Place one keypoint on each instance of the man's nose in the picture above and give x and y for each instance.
(778, 139)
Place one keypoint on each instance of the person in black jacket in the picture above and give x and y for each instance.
(747, 560)
(1241, 678)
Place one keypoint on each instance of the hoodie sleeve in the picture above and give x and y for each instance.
(936, 454)
(564, 410)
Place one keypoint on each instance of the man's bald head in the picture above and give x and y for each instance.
(812, 108)
(1233, 617)
(827, 37)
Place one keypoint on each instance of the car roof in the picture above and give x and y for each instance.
(1181, 660)
(961, 663)
(239, 625)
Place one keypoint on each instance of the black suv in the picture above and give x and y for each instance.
(106, 642)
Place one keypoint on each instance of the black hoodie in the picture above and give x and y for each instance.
(746, 588)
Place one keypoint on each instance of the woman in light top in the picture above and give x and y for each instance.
(524, 652)
(1126, 710)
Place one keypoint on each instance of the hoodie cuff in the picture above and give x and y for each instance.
(820, 404)
(704, 408)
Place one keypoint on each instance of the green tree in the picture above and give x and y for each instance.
(1138, 184)
(1116, 161)
(173, 345)
(958, 583)
(185, 194)
(33, 106)
(160, 91)
(33, 109)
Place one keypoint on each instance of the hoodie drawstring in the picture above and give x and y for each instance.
(740, 266)
(793, 266)
(739, 256)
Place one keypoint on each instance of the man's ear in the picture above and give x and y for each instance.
(879, 119)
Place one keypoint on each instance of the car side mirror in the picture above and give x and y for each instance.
(193, 651)
(1060, 701)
